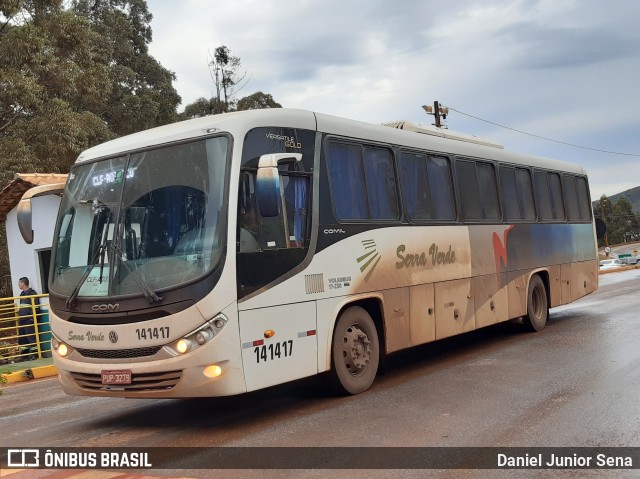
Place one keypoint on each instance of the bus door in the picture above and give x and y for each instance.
(277, 322)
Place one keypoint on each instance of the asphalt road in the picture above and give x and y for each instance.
(576, 383)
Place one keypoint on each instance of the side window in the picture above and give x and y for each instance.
(468, 188)
(584, 204)
(441, 186)
(248, 216)
(478, 190)
(525, 194)
(548, 191)
(555, 190)
(256, 233)
(363, 184)
(570, 197)
(488, 191)
(381, 184)
(296, 191)
(426, 187)
(517, 194)
(509, 192)
(543, 200)
(349, 192)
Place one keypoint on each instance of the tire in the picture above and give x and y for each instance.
(355, 352)
(537, 305)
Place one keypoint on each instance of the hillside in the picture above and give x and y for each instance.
(633, 195)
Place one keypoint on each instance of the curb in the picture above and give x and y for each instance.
(28, 374)
(621, 268)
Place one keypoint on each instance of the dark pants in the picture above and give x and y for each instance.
(27, 332)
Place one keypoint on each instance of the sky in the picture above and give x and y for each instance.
(559, 69)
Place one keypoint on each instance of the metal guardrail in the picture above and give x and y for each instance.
(25, 333)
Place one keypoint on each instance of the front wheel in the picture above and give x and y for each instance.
(355, 352)
(537, 305)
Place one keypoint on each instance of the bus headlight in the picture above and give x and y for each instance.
(212, 371)
(183, 345)
(198, 337)
(61, 348)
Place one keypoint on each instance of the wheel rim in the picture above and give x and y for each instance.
(356, 350)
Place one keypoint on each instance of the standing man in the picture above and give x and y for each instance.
(27, 320)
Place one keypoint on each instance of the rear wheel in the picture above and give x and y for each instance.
(537, 305)
(355, 352)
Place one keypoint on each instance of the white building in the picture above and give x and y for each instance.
(30, 260)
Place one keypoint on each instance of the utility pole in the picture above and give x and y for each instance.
(437, 111)
(606, 238)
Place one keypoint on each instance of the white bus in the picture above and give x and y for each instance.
(234, 252)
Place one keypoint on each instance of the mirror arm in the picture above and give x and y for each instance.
(274, 159)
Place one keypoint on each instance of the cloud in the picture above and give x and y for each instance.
(542, 46)
(565, 70)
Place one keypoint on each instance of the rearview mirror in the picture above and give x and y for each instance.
(268, 182)
(601, 228)
(24, 208)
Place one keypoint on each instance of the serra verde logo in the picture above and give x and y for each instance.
(370, 259)
(434, 256)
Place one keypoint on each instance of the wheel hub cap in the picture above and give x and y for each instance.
(357, 350)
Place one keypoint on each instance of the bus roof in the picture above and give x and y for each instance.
(236, 123)
(395, 133)
(441, 132)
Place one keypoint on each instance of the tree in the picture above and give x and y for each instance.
(45, 60)
(141, 93)
(603, 209)
(257, 101)
(73, 77)
(74, 74)
(203, 107)
(622, 223)
(225, 72)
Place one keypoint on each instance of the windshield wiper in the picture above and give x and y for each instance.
(98, 208)
(149, 293)
(72, 297)
(103, 249)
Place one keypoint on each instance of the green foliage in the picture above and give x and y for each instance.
(74, 74)
(623, 225)
(203, 107)
(257, 101)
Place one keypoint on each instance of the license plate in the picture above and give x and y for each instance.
(117, 376)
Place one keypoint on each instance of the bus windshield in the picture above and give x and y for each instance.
(141, 222)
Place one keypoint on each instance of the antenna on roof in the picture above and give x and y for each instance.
(438, 111)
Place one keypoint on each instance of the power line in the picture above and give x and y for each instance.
(543, 138)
